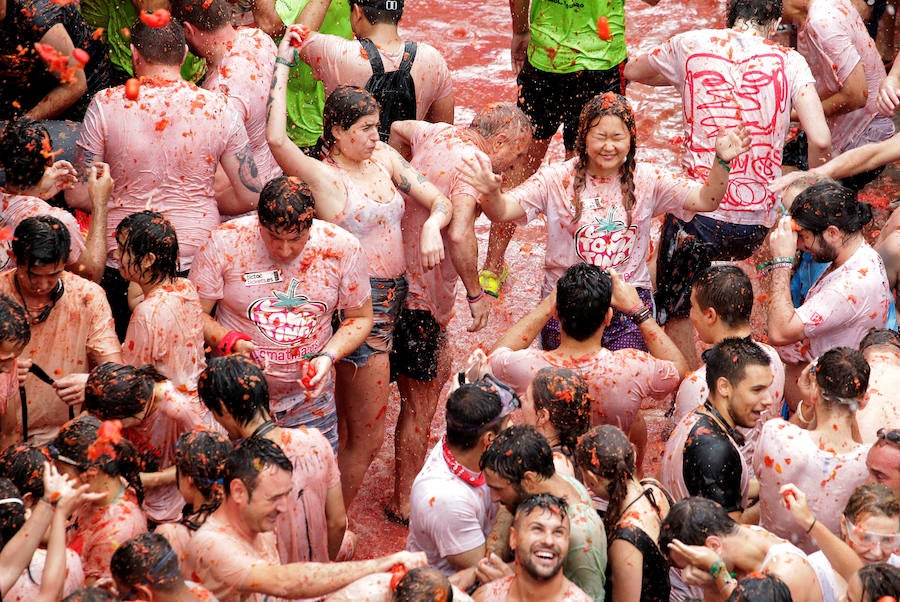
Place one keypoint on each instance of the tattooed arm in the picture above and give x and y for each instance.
(78, 196)
(240, 167)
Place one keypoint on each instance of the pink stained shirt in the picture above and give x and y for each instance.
(245, 76)
(377, 588)
(163, 150)
(727, 77)
(337, 61)
(98, 530)
(179, 538)
(601, 236)
(437, 151)
(285, 308)
(302, 531)
(15, 208)
(224, 559)
(376, 223)
(498, 591)
(78, 332)
(166, 331)
(834, 40)
(842, 306)
(28, 585)
(788, 454)
(170, 415)
(618, 380)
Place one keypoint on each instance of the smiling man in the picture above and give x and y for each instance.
(702, 456)
(540, 537)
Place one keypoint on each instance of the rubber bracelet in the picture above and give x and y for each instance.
(281, 61)
(716, 569)
(641, 315)
(329, 355)
(725, 164)
(634, 309)
(226, 345)
(773, 261)
(53, 500)
(811, 525)
(476, 298)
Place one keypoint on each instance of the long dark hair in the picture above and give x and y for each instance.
(606, 452)
(564, 394)
(345, 106)
(201, 455)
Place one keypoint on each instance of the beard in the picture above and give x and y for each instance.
(540, 571)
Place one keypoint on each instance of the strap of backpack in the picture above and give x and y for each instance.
(374, 56)
(409, 55)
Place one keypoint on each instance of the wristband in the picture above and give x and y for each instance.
(476, 298)
(811, 525)
(725, 164)
(634, 309)
(329, 355)
(717, 568)
(287, 64)
(641, 315)
(773, 261)
(226, 345)
(52, 500)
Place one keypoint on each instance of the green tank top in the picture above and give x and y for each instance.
(564, 35)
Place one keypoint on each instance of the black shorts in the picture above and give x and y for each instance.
(551, 99)
(418, 341)
(688, 248)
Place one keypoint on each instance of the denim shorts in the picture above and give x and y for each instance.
(388, 297)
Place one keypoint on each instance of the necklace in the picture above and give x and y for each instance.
(730, 430)
(458, 469)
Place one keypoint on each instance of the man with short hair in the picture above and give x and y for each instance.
(850, 297)
(702, 457)
(422, 584)
(518, 464)
(336, 60)
(726, 76)
(451, 510)
(880, 410)
(146, 568)
(71, 331)
(419, 359)
(620, 380)
(235, 548)
(235, 391)
(699, 535)
(163, 149)
(883, 460)
(540, 537)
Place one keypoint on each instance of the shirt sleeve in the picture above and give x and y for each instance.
(665, 61)
(829, 309)
(207, 270)
(712, 468)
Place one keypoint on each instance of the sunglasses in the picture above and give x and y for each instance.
(861, 538)
(892, 437)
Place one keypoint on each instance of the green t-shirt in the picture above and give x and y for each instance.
(564, 35)
(305, 94)
(115, 16)
(586, 563)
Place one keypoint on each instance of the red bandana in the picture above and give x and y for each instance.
(459, 470)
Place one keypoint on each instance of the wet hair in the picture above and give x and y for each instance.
(498, 118)
(729, 359)
(159, 45)
(517, 450)
(201, 455)
(377, 11)
(286, 205)
(880, 337)
(472, 410)
(542, 501)
(90, 594)
(876, 499)
(147, 559)
(830, 204)
(879, 579)
(802, 183)
(583, 295)
(41, 240)
(761, 587)
(345, 106)
(761, 12)
(25, 152)
(72, 446)
(842, 375)
(146, 232)
(424, 584)
(692, 520)
(23, 464)
(12, 511)
(606, 452)
(234, 383)
(600, 106)
(14, 326)
(726, 289)
(564, 394)
(205, 15)
(249, 459)
(116, 391)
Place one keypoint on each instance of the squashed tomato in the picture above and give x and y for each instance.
(603, 29)
(132, 88)
(157, 18)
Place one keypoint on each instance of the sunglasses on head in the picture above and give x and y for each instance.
(891, 437)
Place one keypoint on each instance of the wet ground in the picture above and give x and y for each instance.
(474, 38)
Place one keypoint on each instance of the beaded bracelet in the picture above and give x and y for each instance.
(775, 266)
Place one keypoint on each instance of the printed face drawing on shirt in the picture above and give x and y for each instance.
(286, 317)
(721, 93)
(606, 243)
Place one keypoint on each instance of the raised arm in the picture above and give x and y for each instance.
(498, 206)
(812, 120)
(72, 82)
(729, 144)
(92, 261)
(313, 14)
(640, 70)
(784, 324)
(889, 92)
(529, 326)
(267, 18)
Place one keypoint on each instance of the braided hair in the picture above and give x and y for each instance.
(201, 455)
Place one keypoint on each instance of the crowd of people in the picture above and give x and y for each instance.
(231, 226)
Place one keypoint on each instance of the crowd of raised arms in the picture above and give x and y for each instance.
(231, 228)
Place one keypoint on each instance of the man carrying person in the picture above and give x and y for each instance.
(419, 359)
(235, 548)
(518, 464)
(540, 537)
(727, 76)
(702, 457)
(163, 149)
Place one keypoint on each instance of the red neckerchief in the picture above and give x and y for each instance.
(458, 469)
